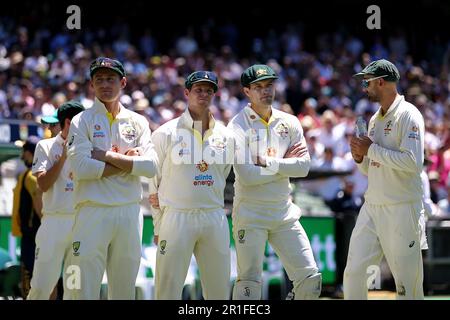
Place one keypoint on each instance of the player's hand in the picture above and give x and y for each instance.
(98, 154)
(154, 201)
(134, 152)
(64, 152)
(297, 150)
(155, 239)
(355, 153)
(360, 146)
(260, 161)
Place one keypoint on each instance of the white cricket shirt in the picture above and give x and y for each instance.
(395, 159)
(58, 199)
(95, 128)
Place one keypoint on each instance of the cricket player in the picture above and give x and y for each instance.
(195, 157)
(26, 214)
(55, 179)
(51, 125)
(110, 148)
(270, 149)
(392, 158)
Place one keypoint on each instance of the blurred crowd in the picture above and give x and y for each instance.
(41, 69)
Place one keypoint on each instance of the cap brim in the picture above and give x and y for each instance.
(264, 78)
(103, 67)
(49, 120)
(359, 74)
(207, 80)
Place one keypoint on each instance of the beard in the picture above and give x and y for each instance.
(372, 97)
(267, 101)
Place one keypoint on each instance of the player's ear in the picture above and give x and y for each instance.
(246, 91)
(186, 92)
(123, 82)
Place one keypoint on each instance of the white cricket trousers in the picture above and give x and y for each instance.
(254, 225)
(53, 247)
(392, 230)
(206, 234)
(107, 237)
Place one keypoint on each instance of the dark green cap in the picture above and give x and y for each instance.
(257, 72)
(202, 76)
(381, 68)
(69, 109)
(102, 62)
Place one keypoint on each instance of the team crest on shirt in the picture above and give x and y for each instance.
(218, 143)
(282, 130)
(76, 248)
(36, 253)
(162, 246)
(34, 162)
(202, 166)
(71, 140)
(241, 236)
(129, 133)
(388, 128)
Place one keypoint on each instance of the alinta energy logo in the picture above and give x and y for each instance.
(203, 180)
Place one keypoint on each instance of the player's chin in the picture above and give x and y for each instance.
(108, 97)
(267, 101)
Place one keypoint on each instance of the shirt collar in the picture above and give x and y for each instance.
(187, 120)
(253, 116)
(394, 104)
(100, 107)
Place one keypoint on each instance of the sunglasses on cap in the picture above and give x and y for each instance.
(365, 82)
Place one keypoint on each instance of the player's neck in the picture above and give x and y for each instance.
(387, 101)
(112, 107)
(202, 116)
(263, 111)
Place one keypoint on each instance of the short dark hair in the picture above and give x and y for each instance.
(68, 110)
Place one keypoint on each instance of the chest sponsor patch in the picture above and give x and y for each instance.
(203, 180)
(202, 166)
(98, 132)
(372, 131)
(414, 133)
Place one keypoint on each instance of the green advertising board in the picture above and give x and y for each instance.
(320, 231)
